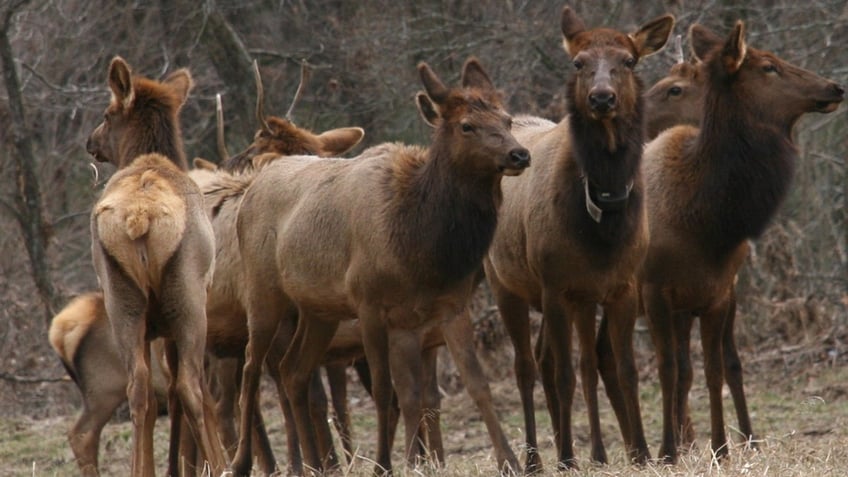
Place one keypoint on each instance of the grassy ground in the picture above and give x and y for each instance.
(800, 415)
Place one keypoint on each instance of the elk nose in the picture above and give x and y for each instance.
(602, 101)
(520, 157)
(838, 90)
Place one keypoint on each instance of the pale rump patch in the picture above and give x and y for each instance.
(141, 219)
(70, 326)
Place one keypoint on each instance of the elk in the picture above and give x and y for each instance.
(677, 98)
(82, 337)
(153, 252)
(709, 191)
(393, 237)
(77, 332)
(572, 234)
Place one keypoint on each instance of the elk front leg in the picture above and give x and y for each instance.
(622, 320)
(459, 334)
(406, 372)
(733, 374)
(712, 327)
(583, 315)
(376, 343)
(658, 311)
(557, 326)
(310, 342)
(515, 316)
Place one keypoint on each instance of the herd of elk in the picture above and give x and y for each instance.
(710, 190)
(393, 237)
(572, 234)
(291, 257)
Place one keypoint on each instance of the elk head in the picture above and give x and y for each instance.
(774, 90)
(282, 137)
(142, 117)
(677, 98)
(604, 84)
(471, 122)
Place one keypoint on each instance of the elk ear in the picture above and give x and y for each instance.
(120, 82)
(474, 76)
(571, 26)
(702, 40)
(200, 163)
(436, 90)
(182, 83)
(428, 110)
(336, 142)
(652, 36)
(735, 49)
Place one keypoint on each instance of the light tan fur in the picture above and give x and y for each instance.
(153, 251)
(333, 231)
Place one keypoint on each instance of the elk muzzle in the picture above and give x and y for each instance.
(836, 94)
(518, 159)
(93, 144)
(602, 100)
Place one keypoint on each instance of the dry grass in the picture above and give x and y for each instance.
(801, 418)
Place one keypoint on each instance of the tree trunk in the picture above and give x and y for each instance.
(28, 208)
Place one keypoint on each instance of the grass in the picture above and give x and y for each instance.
(801, 419)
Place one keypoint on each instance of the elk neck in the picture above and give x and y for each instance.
(441, 220)
(746, 167)
(159, 132)
(608, 153)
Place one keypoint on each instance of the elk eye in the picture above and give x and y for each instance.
(770, 68)
(578, 64)
(675, 91)
(509, 124)
(630, 62)
(467, 128)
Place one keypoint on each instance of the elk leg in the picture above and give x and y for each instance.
(84, 436)
(622, 320)
(515, 316)
(337, 379)
(175, 411)
(660, 319)
(545, 363)
(310, 341)
(318, 413)
(683, 332)
(431, 404)
(557, 324)
(733, 374)
(263, 317)
(129, 332)
(712, 324)
(223, 382)
(584, 320)
(281, 342)
(364, 373)
(458, 334)
(406, 372)
(376, 343)
(609, 374)
(189, 310)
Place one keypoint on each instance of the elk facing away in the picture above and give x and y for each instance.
(81, 336)
(393, 237)
(710, 190)
(153, 252)
(572, 234)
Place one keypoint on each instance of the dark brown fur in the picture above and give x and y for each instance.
(553, 253)
(709, 191)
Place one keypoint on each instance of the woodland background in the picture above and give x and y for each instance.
(793, 293)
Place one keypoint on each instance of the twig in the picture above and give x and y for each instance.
(32, 379)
